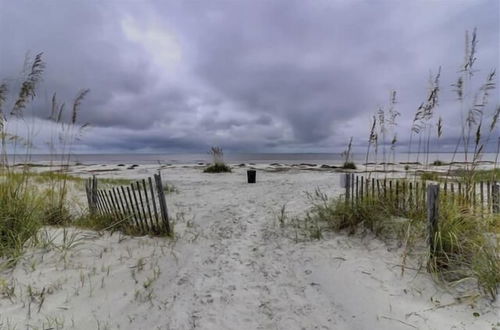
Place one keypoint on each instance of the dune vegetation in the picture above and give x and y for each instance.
(467, 239)
(218, 165)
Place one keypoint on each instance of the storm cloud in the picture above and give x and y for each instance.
(257, 76)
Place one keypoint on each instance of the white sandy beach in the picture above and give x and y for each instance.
(230, 266)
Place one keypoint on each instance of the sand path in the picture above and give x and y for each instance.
(241, 278)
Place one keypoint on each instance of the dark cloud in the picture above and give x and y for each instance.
(250, 76)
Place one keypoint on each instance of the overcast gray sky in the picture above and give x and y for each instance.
(261, 76)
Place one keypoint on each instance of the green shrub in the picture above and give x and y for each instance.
(349, 166)
(217, 168)
(438, 163)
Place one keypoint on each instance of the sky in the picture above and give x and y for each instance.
(249, 76)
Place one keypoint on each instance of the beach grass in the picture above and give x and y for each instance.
(22, 211)
(349, 166)
(218, 165)
(480, 175)
(217, 168)
(466, 246)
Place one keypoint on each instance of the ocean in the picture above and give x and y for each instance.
(236, 158)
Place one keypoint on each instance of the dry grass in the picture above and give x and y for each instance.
(466, 247)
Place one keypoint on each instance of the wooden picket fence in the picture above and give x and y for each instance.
(480, 197)
(142, 204)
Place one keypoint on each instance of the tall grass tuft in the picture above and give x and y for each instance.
(218, 165)
(347, 154)
(372, 140)
(21, 214)
(29, 200)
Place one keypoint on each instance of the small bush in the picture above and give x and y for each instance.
(217, 168)
(349, 166)
(438, 163)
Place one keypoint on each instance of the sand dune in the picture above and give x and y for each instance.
(230, 266)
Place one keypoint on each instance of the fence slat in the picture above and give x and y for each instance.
(481, 187)
(138, 209)
(162, 203)
(385, 188)
(404, 196)
(460, 192)
(113, 205)
(136, 217)
(129, 206)
(94, 191)
(118, 204)
(353, 189)
(474, 199)
(361, 188)
(495, 194)
(367, 181)
(357, 188)
(145, 220)
(87, 192)
(488, 195)
(373, 188)
(432, 214)
(154, 202)
(397, 194)
(126, 211)
(148, 204)
(104, 202)
(347, 178)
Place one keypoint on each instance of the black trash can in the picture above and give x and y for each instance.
(251, 176)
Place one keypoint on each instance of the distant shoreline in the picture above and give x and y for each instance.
(237, 158)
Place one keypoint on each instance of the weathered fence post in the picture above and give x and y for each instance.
(482, 198)
(495, 196)
(432, 214)
(162, 202)
(347, 187)
(352, 189)
(92, 192)
(489, 189)
(357, 189)
(361, 191)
